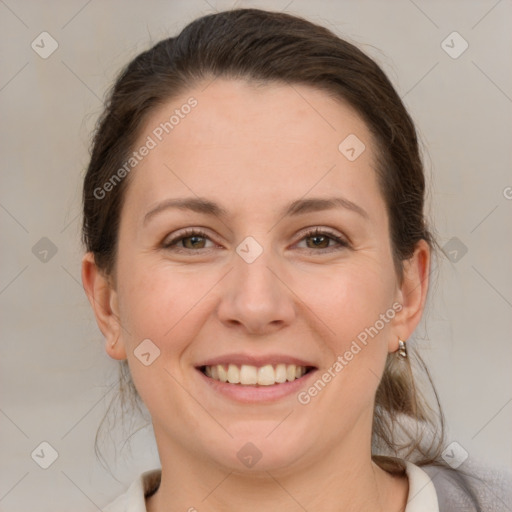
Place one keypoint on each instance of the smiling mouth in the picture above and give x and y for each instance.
(248, 375)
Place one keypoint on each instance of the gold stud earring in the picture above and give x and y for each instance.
(402, 349)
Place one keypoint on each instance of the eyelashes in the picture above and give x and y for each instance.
(321, 237)
(187, 234)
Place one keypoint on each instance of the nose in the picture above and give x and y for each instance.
(256, 297)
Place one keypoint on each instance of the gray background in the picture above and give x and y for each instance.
(56, 380)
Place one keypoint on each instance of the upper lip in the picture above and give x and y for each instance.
(255, 360)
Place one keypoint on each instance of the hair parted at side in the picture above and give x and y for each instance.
(264, 47)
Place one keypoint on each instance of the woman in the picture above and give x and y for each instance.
(257, 254)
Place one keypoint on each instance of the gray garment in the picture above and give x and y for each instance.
(471, 488)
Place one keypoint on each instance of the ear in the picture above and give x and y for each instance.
(412, 293)
(103, 299)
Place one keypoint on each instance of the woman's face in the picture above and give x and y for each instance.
(256, 288)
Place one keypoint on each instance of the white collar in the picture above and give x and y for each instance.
(422, 495)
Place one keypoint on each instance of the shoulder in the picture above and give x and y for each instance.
(474, 487)
(134, 499)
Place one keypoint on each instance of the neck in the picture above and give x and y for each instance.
(329, 484)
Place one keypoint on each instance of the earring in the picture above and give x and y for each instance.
(402, 349)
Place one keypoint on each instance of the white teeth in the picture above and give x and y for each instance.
(281, 373)
(223, 374)
(266, 375)
(248, 375)
(233, 374)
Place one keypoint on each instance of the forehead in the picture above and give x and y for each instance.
(262, 141)
(228, 111)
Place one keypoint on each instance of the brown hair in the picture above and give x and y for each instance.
(267, 46)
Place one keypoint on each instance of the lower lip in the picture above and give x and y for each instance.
(254, 394)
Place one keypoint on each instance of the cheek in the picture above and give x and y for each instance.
(168, 306)
(350, 299)
(356, 305)
(341, 306)
(159, 305)
(154, 300)
(341, 302)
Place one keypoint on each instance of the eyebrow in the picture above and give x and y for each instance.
(298, 207)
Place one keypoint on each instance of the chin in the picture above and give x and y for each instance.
(257, 451)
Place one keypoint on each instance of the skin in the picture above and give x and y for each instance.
(253, 149)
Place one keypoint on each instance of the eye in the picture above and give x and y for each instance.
(187, 241)
(195, 239)
(320, 239)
